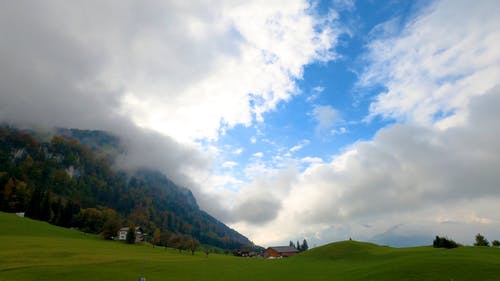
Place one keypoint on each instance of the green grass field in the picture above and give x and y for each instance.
(32, 250)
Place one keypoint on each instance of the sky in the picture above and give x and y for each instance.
(289, 120)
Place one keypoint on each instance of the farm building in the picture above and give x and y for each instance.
(281, 251)
(139, 234)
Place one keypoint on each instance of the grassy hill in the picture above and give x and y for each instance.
(33, 250)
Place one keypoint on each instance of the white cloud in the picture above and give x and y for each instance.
(344, 4)
(258, 154)
(326, 116)
(299, 146)
(315, 93)
(438, 62)
(340, 131)
(253, 139)
(311, 160)
(238, 151)
(229, 164)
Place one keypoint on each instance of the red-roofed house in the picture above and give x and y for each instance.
(281, 251)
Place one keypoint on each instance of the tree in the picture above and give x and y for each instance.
(304, 246)
(192, 244)
(206, 249)
(57, 208)
(298, 245)
(69, 212)
(33, 209)
(248, 248)
(495, 243)
(444, 242)
(175, 241)
(45, 211)
(291, 244)
(90, 220)
(110, 229)
(164, 239)
(14, 196)
(131, 234)
(481, 241)
(156, 237)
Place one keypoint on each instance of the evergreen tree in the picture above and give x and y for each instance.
(45, 211)
(304, 246)
(70, 210)
(57, 209)
(291, 244)
(298, 245)
(33, 210)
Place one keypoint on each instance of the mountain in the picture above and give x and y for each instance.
(395, 236)
(69, 181)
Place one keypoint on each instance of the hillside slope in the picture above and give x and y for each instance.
(367, 261)
(71, 185)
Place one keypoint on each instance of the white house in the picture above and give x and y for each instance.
(139, 234)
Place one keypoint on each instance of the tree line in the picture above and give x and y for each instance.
(479, 240)
(300, 247)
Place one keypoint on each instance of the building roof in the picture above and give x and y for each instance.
(284, 249)
(127, 228)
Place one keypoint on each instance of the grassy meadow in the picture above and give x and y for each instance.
(33, 250)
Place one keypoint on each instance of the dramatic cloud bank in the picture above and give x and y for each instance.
(436, 172)
(407, 175)
(186, 71)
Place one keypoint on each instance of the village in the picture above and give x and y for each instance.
(248, 251)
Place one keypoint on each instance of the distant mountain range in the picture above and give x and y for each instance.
(69, 181)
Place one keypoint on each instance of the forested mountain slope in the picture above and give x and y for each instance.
(72, 185)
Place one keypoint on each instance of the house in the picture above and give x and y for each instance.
(139, 234)
(280, 251)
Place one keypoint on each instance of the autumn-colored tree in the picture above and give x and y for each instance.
(156, 237)
(175, 241)
(164, 239)
(110, 228)
(192, 244)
